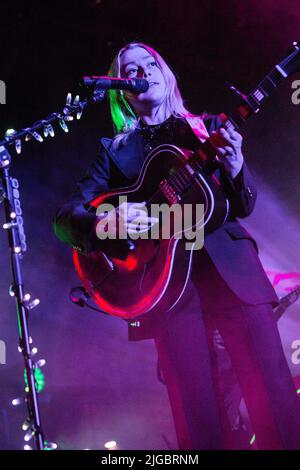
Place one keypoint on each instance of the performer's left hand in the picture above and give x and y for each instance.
(231, 154)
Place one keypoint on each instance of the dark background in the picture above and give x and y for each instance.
(99, 387)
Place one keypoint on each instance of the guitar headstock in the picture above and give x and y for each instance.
(291, 63)
(291, 297)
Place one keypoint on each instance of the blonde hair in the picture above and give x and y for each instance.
(123, 116)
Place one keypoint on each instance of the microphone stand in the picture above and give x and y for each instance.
(10, 197)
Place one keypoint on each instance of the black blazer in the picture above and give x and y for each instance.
(231, 248)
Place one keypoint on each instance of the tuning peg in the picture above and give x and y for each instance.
(237, 92)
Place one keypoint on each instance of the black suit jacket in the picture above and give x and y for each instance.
(231, 248)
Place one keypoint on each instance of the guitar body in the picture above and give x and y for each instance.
(154, 274)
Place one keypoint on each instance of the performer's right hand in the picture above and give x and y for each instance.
(127, 219)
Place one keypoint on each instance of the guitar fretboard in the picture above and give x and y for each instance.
(251, 104)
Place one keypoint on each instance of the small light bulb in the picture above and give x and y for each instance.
(110, 445)
(63, 125)
(34, 351)
(28, 435)
(27, 447)
(37, 136)
(11, 291)
(26, 424)
(17, 401)
(9, 132)
(40, 363)
(18, 146)
(33, 304)
(17, 249)
(26, 297)
(51, 445)
(13, 215)
(51, 131)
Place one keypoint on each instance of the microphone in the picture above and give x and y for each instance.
(137, 85)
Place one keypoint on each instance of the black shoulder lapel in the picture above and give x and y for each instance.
(129, 158)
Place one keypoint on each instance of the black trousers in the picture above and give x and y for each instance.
(187, 359)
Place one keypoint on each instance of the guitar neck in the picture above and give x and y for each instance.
(252, 103)
(286, 301)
